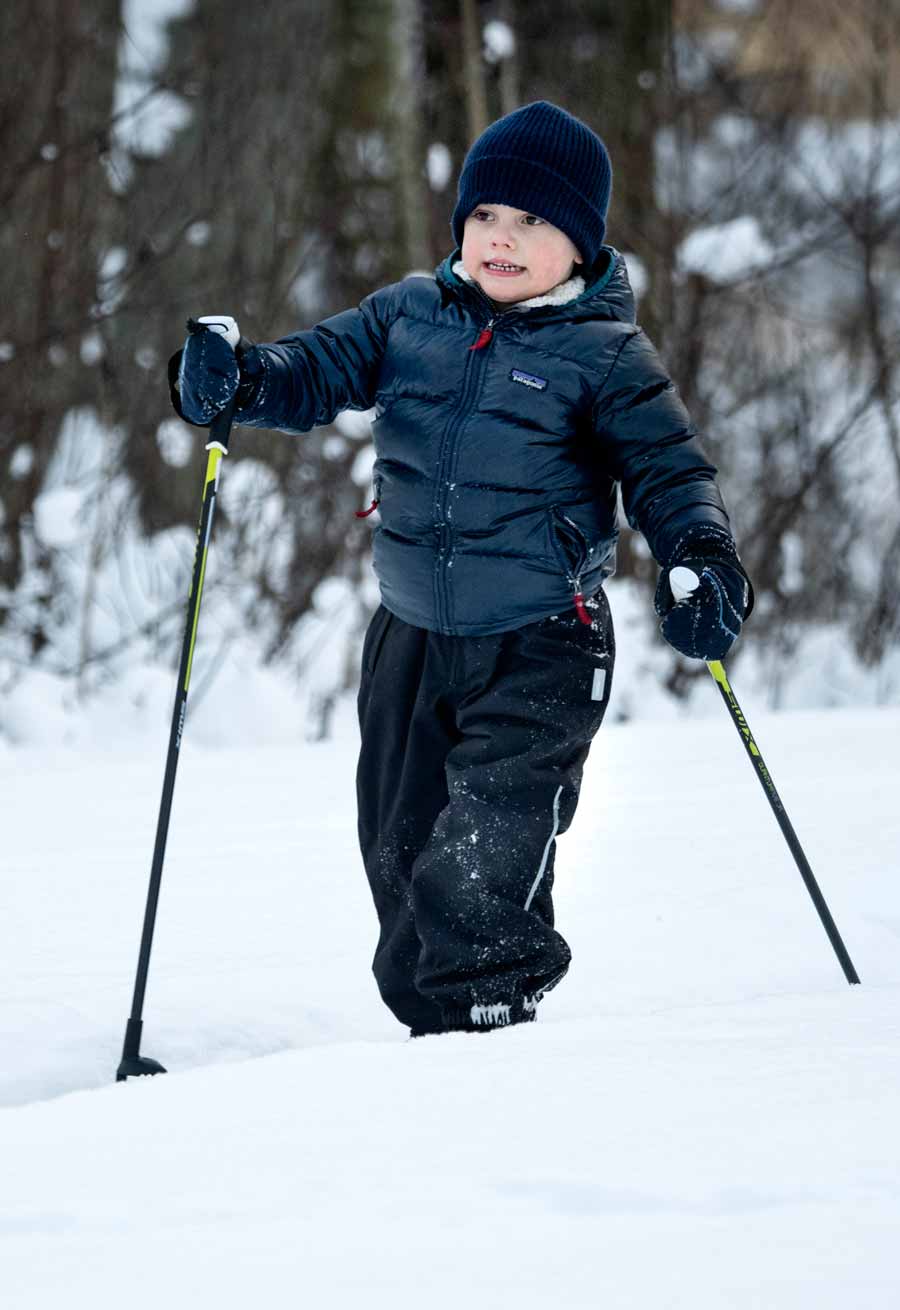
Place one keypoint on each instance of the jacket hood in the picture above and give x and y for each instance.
(608, 294)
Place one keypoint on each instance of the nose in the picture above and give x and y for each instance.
(502, 237)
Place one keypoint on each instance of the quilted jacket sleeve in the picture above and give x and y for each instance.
(304, 380)
(649, 444)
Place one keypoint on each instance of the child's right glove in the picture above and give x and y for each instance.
(215, 363)
(701, 615)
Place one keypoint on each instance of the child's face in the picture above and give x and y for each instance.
(542, 256)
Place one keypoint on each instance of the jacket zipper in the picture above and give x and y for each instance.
(472, 377)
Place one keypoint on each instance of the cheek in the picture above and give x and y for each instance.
(560, 260)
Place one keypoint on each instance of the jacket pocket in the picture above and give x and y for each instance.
(571, 546)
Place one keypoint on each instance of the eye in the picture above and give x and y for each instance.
(482, 213)
(532, 220)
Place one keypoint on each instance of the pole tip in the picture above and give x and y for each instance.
(137, 1066)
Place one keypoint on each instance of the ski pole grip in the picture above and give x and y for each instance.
(683, 583)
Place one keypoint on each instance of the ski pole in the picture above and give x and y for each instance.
(133, 1063)
(682, 585)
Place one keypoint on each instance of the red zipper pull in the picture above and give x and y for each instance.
(581, 610)
(483, 338)
(364, 513)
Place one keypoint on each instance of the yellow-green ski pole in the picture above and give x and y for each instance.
(132, 1062)
(683, 581)
(717, 669)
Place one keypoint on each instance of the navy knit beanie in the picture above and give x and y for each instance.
(545, 161)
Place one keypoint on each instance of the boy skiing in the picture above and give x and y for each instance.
(513, 393)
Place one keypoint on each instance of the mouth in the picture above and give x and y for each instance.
(503, 268)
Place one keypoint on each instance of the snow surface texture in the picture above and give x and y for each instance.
(704, 1115)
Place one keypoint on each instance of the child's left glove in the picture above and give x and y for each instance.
(703, 621)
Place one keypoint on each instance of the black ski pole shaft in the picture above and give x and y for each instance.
(717, 669)
(132, 1062)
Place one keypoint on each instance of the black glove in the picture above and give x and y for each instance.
(703, 619)
(215, 364)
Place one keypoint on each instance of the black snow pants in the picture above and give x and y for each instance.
(470, 766)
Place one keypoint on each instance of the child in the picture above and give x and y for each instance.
(512, 393)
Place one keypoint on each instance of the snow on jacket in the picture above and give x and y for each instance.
(501, 435)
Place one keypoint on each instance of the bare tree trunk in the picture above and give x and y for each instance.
(57, 78)
(637, 68)
(476, 95)
(407, 134)
(509, 65)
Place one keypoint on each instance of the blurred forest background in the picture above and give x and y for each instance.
(280, 161)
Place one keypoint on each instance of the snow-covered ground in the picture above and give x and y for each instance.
(705, 1115)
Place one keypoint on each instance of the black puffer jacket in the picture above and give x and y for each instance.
(500, 438)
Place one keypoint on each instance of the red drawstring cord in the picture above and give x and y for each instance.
(364, 513)
(580, 609)
(483, 338)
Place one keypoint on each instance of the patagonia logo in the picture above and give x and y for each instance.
(528, 380)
